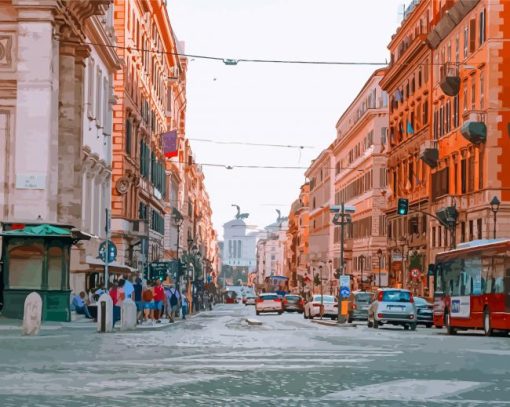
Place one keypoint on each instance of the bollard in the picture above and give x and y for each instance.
(103, 316)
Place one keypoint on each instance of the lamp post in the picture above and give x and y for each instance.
(330, 279)
(379, 255)
(362, 262)
(178, 219)
(403, 242)
(495, 208)
(322, 299)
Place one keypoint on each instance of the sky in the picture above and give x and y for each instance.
(287, 104)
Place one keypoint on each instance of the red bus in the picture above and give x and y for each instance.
(472, 287)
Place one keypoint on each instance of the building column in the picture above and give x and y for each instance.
(35, 140)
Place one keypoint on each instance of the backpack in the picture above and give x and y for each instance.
(173, 299)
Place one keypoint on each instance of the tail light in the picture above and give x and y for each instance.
(354, 306)
(379, 315)
(259, 300)
(316, 304)
(301, 301)
(411, 316)
(411, 298)
(278, 299)
(285, 301)
(380, 296)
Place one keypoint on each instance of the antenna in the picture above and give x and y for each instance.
(401, 12)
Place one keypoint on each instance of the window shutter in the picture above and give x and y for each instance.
(472, 35)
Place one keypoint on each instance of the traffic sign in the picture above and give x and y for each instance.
(345, 281)
(112, 251)
(345, 292)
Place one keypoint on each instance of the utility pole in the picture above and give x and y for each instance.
(107, 229)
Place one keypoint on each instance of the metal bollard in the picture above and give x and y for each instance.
(103, 316)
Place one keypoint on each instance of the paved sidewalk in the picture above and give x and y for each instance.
(333, 323)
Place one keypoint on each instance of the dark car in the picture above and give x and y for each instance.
(358, 306)
(424, 313)
(293, 303)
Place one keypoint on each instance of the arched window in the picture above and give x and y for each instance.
(26, 265)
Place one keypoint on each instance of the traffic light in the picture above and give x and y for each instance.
(403, 206)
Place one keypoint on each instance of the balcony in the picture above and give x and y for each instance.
(429, 153)
(138, 228)
(474, 128)
(450, 79)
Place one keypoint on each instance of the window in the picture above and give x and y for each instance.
(107, 113)
(440, 183)
(480, 169)
(91, 105)
(471, 232)
(99, 98)
(26, 265)
(466, 41)
(462, 232)
(479, 228)
(472, 35)
(439, 237)
(129, 130)
(55, 267)
(457, 48)
(433, 236)
(473, 94)
(425, 118)
(482, 91)
(482, 27)
(465, 96)
(456, 111)
(463, 176)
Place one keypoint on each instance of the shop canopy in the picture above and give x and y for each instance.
(46, 230)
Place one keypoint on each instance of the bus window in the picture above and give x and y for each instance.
(499, 275)
(438, 281)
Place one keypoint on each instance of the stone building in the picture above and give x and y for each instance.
(360, 182)
(55, 126)
(147, 106)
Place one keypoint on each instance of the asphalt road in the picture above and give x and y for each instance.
(217, 358)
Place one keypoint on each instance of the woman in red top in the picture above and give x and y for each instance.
(159, 297)
(114, 293)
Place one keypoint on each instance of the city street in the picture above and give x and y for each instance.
(217, 358)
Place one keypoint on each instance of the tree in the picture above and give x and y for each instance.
(316, 280)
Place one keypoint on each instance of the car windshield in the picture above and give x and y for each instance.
(420, 301)
(292, 297)
(363, 297)
(327, 298)
(268, 297)
(396, 296)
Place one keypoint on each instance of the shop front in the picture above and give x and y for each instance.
(36, 257)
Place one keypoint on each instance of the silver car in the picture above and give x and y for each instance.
(393, 306)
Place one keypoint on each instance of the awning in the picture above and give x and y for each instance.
(98, 265)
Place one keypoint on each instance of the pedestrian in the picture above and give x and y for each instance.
(174, 297)
(121, 292)
(148, 300)
(184, 305)
(137, 297)
(114, 293)
(80, 306)
(159, 298)
(128, 288)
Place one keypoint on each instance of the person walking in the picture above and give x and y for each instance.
(137, 297)
(184, 305)
(159, 298)
(174, 302)
(147, 298)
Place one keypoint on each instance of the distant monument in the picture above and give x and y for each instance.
(240, 215)
(281, 218)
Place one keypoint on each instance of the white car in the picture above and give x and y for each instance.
(250, 300)
(268, 302)
(393, 306)
(329, 307)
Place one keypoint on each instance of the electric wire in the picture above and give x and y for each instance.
(247, 143)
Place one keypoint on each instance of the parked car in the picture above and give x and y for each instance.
(392, 306)
(359, 302)
(328, 309)
(424, 313)
(293, 303)
(268, 302)
(250, 299)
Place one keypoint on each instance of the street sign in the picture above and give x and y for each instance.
(345, 292)
(345, 281)
(112, 251)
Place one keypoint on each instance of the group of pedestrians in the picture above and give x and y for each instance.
(154, 300)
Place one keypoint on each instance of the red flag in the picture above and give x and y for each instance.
(170, 144)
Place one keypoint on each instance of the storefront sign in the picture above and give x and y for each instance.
(461, 307)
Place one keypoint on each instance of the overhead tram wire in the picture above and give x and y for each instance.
(247, 143)
(266, 167)
(228, 61)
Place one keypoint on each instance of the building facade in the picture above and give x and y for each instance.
(146, 107)
(360, 182)
(408, 82)
(240, 246)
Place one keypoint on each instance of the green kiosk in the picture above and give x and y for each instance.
(36, 257)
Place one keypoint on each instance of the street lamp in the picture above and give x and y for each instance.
(403, 242)
(330, 279)
(178, 219)
(362, 262)
(379, 255)
(495, 208)
(322, 299)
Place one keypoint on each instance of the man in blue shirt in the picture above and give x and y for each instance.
(128, 288)
(80, 306)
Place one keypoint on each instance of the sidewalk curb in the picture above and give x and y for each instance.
(333, 324)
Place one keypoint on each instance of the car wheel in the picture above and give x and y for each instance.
(449, 329)
(304, 315)
(280, 313)
(429, 325)
(257, 312)
(369, 324)
(406, 327)
(413, 327)
(488, 331)
(349, 320)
